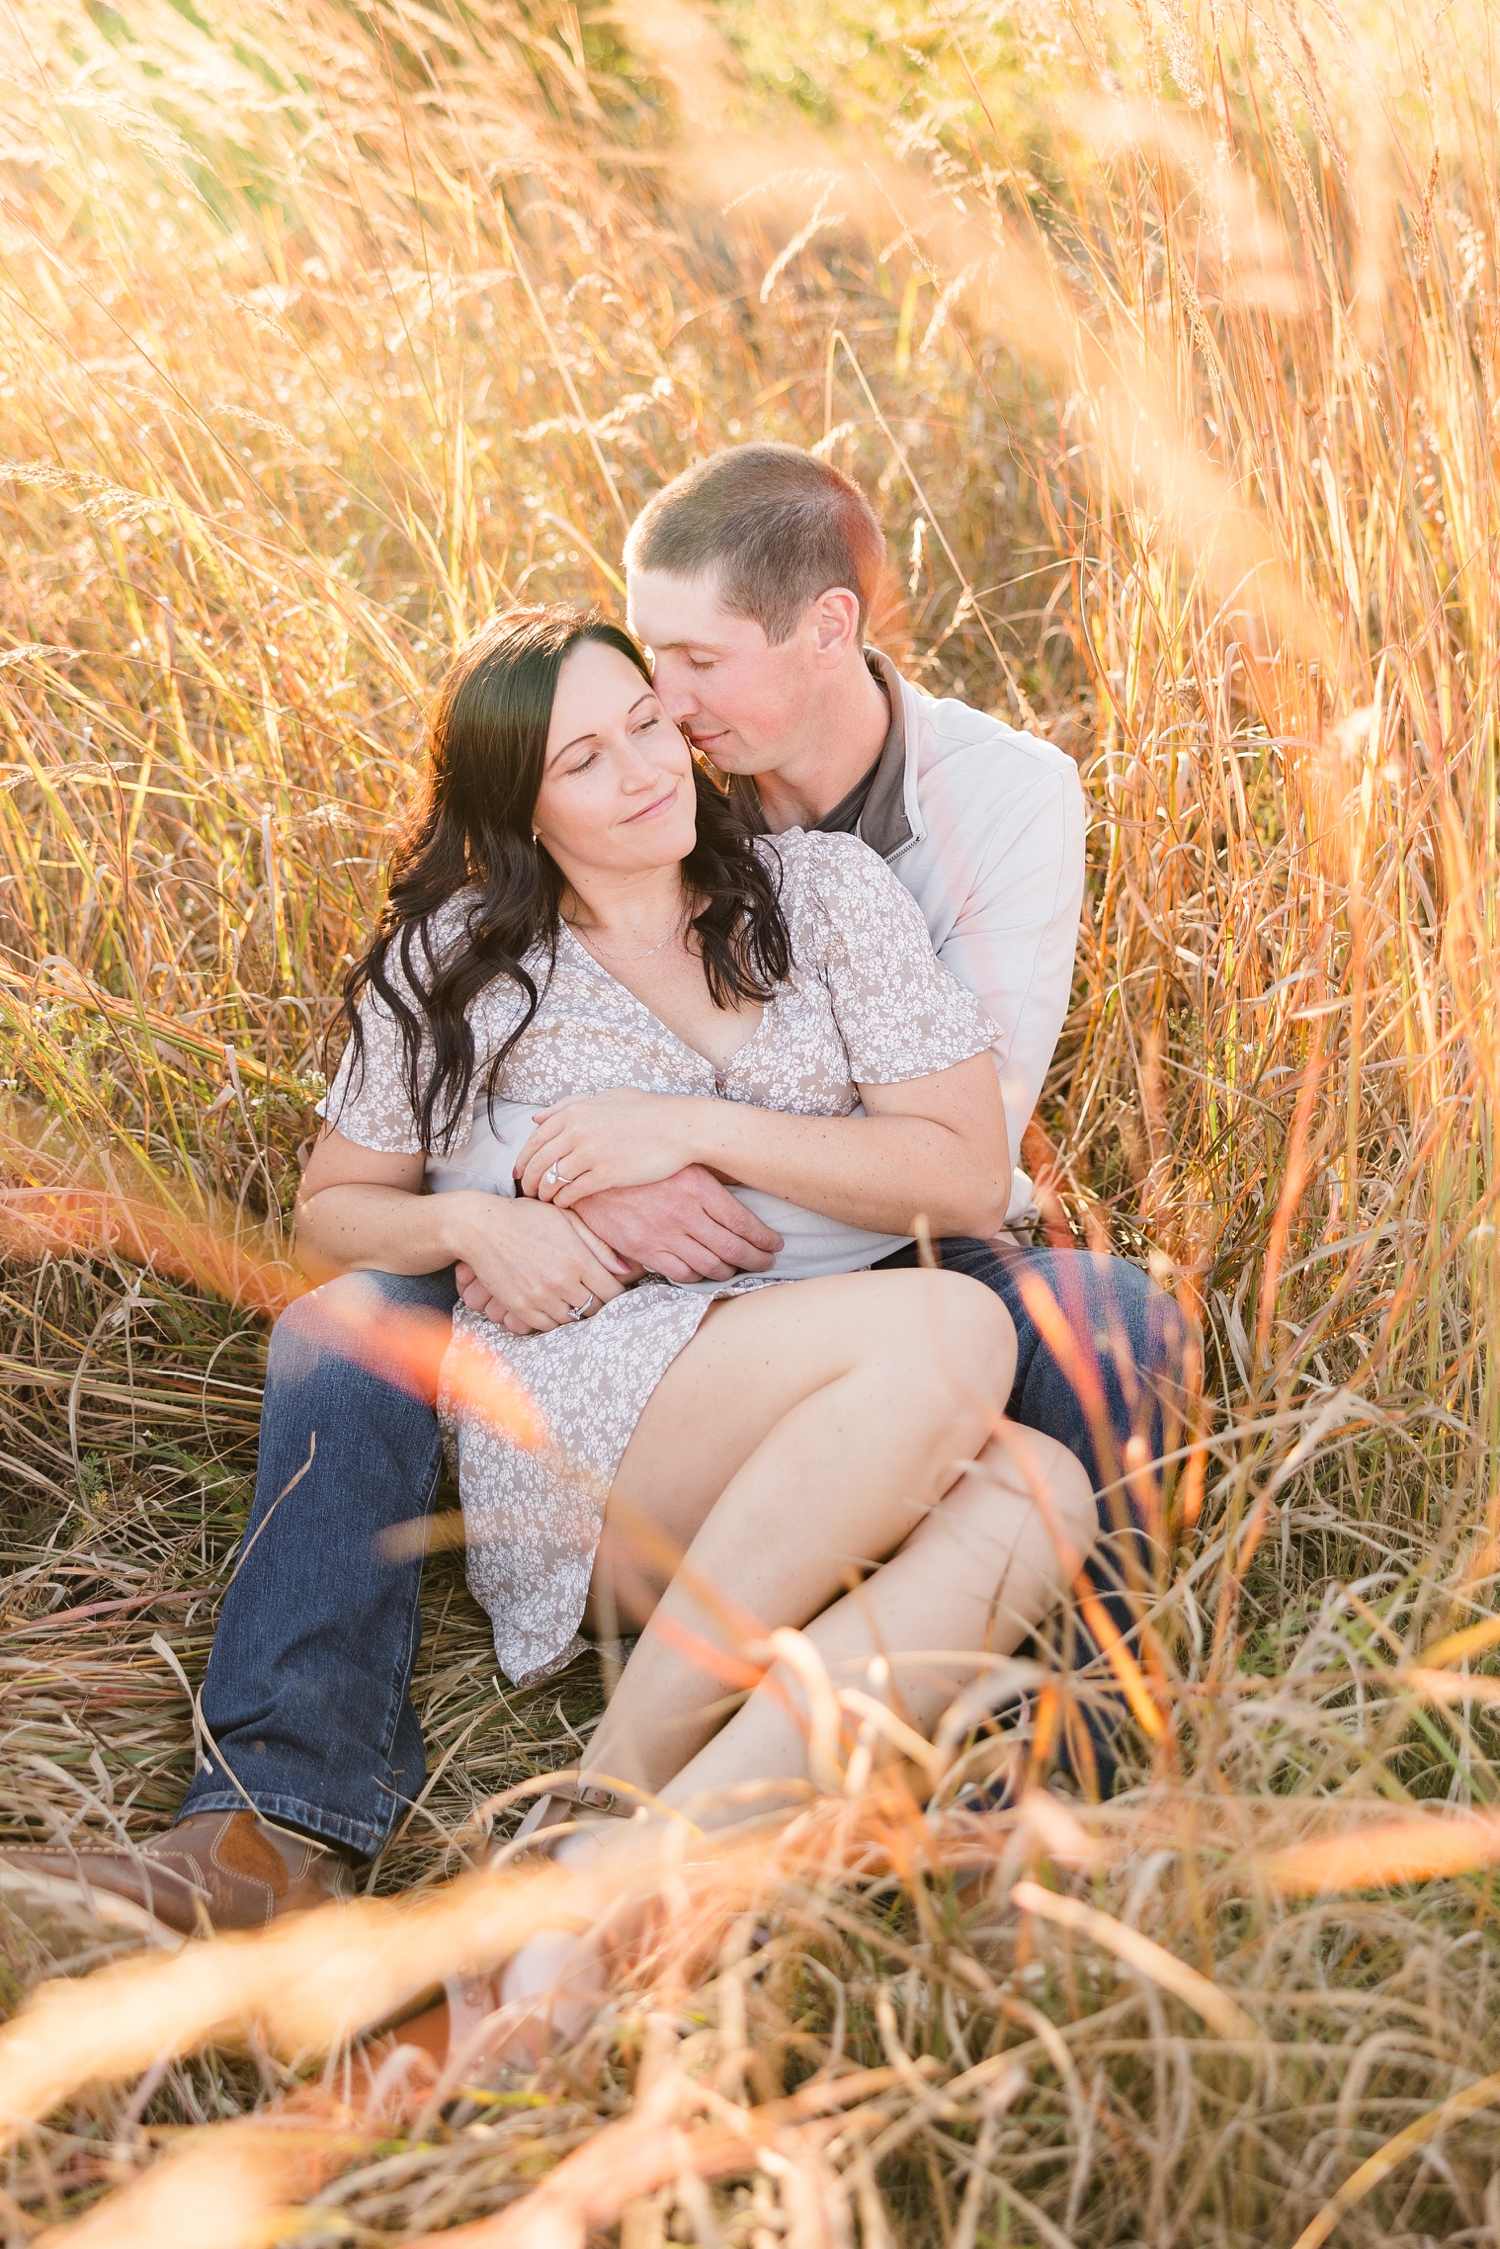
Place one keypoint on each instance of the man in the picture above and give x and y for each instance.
(750, 579)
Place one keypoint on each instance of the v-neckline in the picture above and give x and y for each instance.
(718, 1070)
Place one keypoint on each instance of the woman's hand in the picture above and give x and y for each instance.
(529, 1268)
(617, 1139)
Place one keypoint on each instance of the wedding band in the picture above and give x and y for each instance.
(580, 1311)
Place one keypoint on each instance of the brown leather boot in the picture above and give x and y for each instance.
(214, 1872)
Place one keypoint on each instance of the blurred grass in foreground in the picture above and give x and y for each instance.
(1166, 343)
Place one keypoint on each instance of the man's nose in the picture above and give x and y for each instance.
(674, 688)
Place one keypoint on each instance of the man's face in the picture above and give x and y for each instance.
(743, 703)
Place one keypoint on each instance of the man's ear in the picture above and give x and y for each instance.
(834, 617)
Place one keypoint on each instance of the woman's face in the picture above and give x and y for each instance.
(617, 782)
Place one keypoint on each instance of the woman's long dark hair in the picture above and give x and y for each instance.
(470, 829)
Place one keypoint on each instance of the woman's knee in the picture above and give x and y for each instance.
(1074, 1501)
(956, 1342)
(1025, 1469)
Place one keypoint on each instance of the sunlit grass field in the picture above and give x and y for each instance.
(1164, 338)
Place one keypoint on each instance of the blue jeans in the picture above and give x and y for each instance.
(307, 1698)
(307, 1695)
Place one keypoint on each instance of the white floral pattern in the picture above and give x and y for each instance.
(867, 1002)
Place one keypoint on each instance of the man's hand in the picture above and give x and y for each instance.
(687, 1228)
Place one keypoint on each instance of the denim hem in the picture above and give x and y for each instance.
(294, 1811)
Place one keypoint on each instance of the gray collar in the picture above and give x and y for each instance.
(883, 824)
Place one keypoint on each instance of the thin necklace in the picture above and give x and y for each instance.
(595, 947)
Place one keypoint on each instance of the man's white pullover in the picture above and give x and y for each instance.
(985, 827)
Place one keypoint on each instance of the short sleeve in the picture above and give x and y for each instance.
(369, 1101)
(899, 1012)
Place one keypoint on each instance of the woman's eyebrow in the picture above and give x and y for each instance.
(563, 747)
(593, 732)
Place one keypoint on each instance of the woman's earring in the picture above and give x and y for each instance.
(535, 839)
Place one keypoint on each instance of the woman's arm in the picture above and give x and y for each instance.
(933, 1147)
(359, 1211)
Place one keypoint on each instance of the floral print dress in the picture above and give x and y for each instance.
(537, 1446)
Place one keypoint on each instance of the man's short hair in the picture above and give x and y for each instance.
(777, 526)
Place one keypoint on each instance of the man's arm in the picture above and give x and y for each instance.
(1015, 935)
(934, 1143)
(687, 1228)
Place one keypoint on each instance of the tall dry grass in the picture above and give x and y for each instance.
(1166, 342)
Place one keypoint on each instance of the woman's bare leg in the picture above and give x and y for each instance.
(819, 1444)
(982, 1566)
(796, 1442)
(754, 1358)
(973, 1578)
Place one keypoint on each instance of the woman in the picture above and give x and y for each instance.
(588, 975)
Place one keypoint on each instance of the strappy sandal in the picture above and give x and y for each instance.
(555, 1815)
(470, 1994)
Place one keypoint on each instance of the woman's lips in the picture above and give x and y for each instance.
(648, 811)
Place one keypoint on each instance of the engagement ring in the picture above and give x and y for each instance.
(554, 1177)
(581, 1311)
